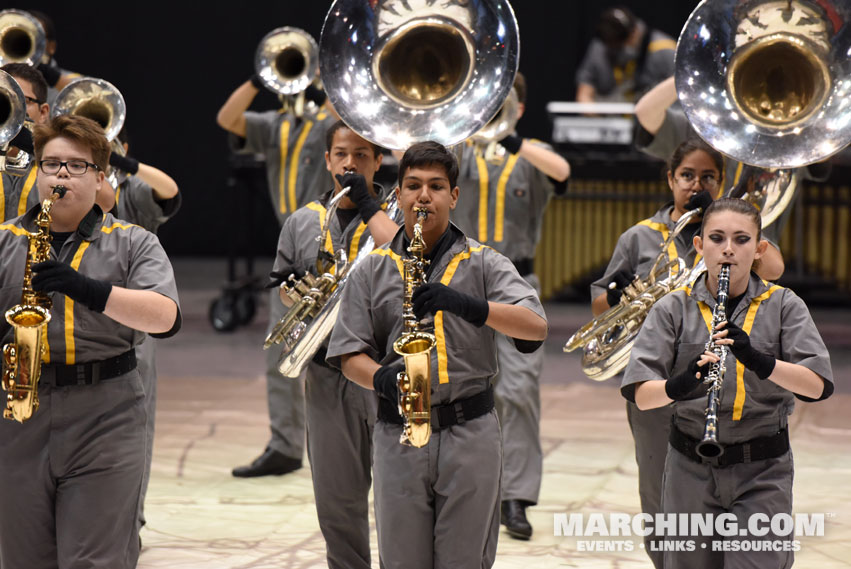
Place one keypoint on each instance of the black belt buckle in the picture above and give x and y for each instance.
(459, 414)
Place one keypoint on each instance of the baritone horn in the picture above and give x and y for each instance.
(13, 113)
(102, 102)
(287, 61)
(22, 38)
(418, 70)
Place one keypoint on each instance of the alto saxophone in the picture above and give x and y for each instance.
(22, 359)
(709, 447)
(415, 345)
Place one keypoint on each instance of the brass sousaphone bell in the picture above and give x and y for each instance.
(766, 82)
(13, 113)
(286, 60)
(22, 38)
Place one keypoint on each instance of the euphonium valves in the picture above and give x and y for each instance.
(415, 346)
(22, 358)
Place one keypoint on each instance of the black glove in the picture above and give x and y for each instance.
(620, 279)
(51, 74)
(59, 277)
(276, 279)
(359, 193)
(759, 363)
(257, 82)
(315, 94)
(700, 200)
(125, 163)
(431, 297)
(512, 143)
(24, 141)
(385, 381)
(683, 384)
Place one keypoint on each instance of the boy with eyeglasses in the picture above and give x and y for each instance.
(83, 450)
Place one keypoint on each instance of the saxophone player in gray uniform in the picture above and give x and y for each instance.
(293, 148)
(775, 355)
(436, 506)
(340, 416)
(501, 204)
(83, 450)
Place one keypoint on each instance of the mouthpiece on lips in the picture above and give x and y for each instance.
(59, 190)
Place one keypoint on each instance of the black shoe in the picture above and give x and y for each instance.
(514, 519)
(271, 462)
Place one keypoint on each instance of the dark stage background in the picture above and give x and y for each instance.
(177, 62)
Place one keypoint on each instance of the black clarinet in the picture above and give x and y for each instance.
(709, 447)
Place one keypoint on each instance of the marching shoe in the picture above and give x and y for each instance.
(271, 462)
(514, 519)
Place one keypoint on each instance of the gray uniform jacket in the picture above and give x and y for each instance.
(778, 323)
(294, 150)
(19, 193)
(502, 205)
(135, 202)
(616, 80)
(638, 247)
(464, 359)
(102, 248)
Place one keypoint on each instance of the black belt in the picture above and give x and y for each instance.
(756, 449)
(90, 373)
(442, 416)
(524, 266)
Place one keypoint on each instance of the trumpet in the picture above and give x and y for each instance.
(709, 447)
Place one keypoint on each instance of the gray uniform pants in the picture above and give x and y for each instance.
(285, 396)
(517, 395)
(763, 487)
(438, 506)
(340, 420)
(71, 478)
(146, 364)
(650, 431)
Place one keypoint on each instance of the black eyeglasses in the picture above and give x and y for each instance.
(706, 181)
(74, 167)
(33, 100)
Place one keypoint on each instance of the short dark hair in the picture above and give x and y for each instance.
(429, 153)
(332, 130)
(31, 74)
(736, 205)
(82, 130)
(690, 145)
(520, 87)
(616, 25)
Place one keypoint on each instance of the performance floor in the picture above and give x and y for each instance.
(212, 416)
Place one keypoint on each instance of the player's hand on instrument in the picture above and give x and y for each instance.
(512, 143)
(432, 297)
(359, 193)
(56, 276)
(315, 94)
(683, 385)
(615, 289)
(740, 344)
(385, 381)
(51, 74)
(701, 200)
(124, 163)
(276, 278)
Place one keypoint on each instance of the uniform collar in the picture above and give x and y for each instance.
(86, 229)
(756, 286)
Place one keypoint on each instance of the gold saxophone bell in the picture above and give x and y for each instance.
(22, 358)
(415, 346)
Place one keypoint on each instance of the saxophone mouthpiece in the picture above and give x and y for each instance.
(421, 211)
(59, 190)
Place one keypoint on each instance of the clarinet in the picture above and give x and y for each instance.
(709, 447)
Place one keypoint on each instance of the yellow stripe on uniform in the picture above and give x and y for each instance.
(329, 245)
(355, 246)
(439, 334)
(499, 214)
(25, 193)
(2, 199)
(19, 231)
(294, 162)
(663, 229)
(483, 197)
(283, 144)
(739, 403)
(394, 256)
(117, 225)
(70, 347)
(659, 45)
